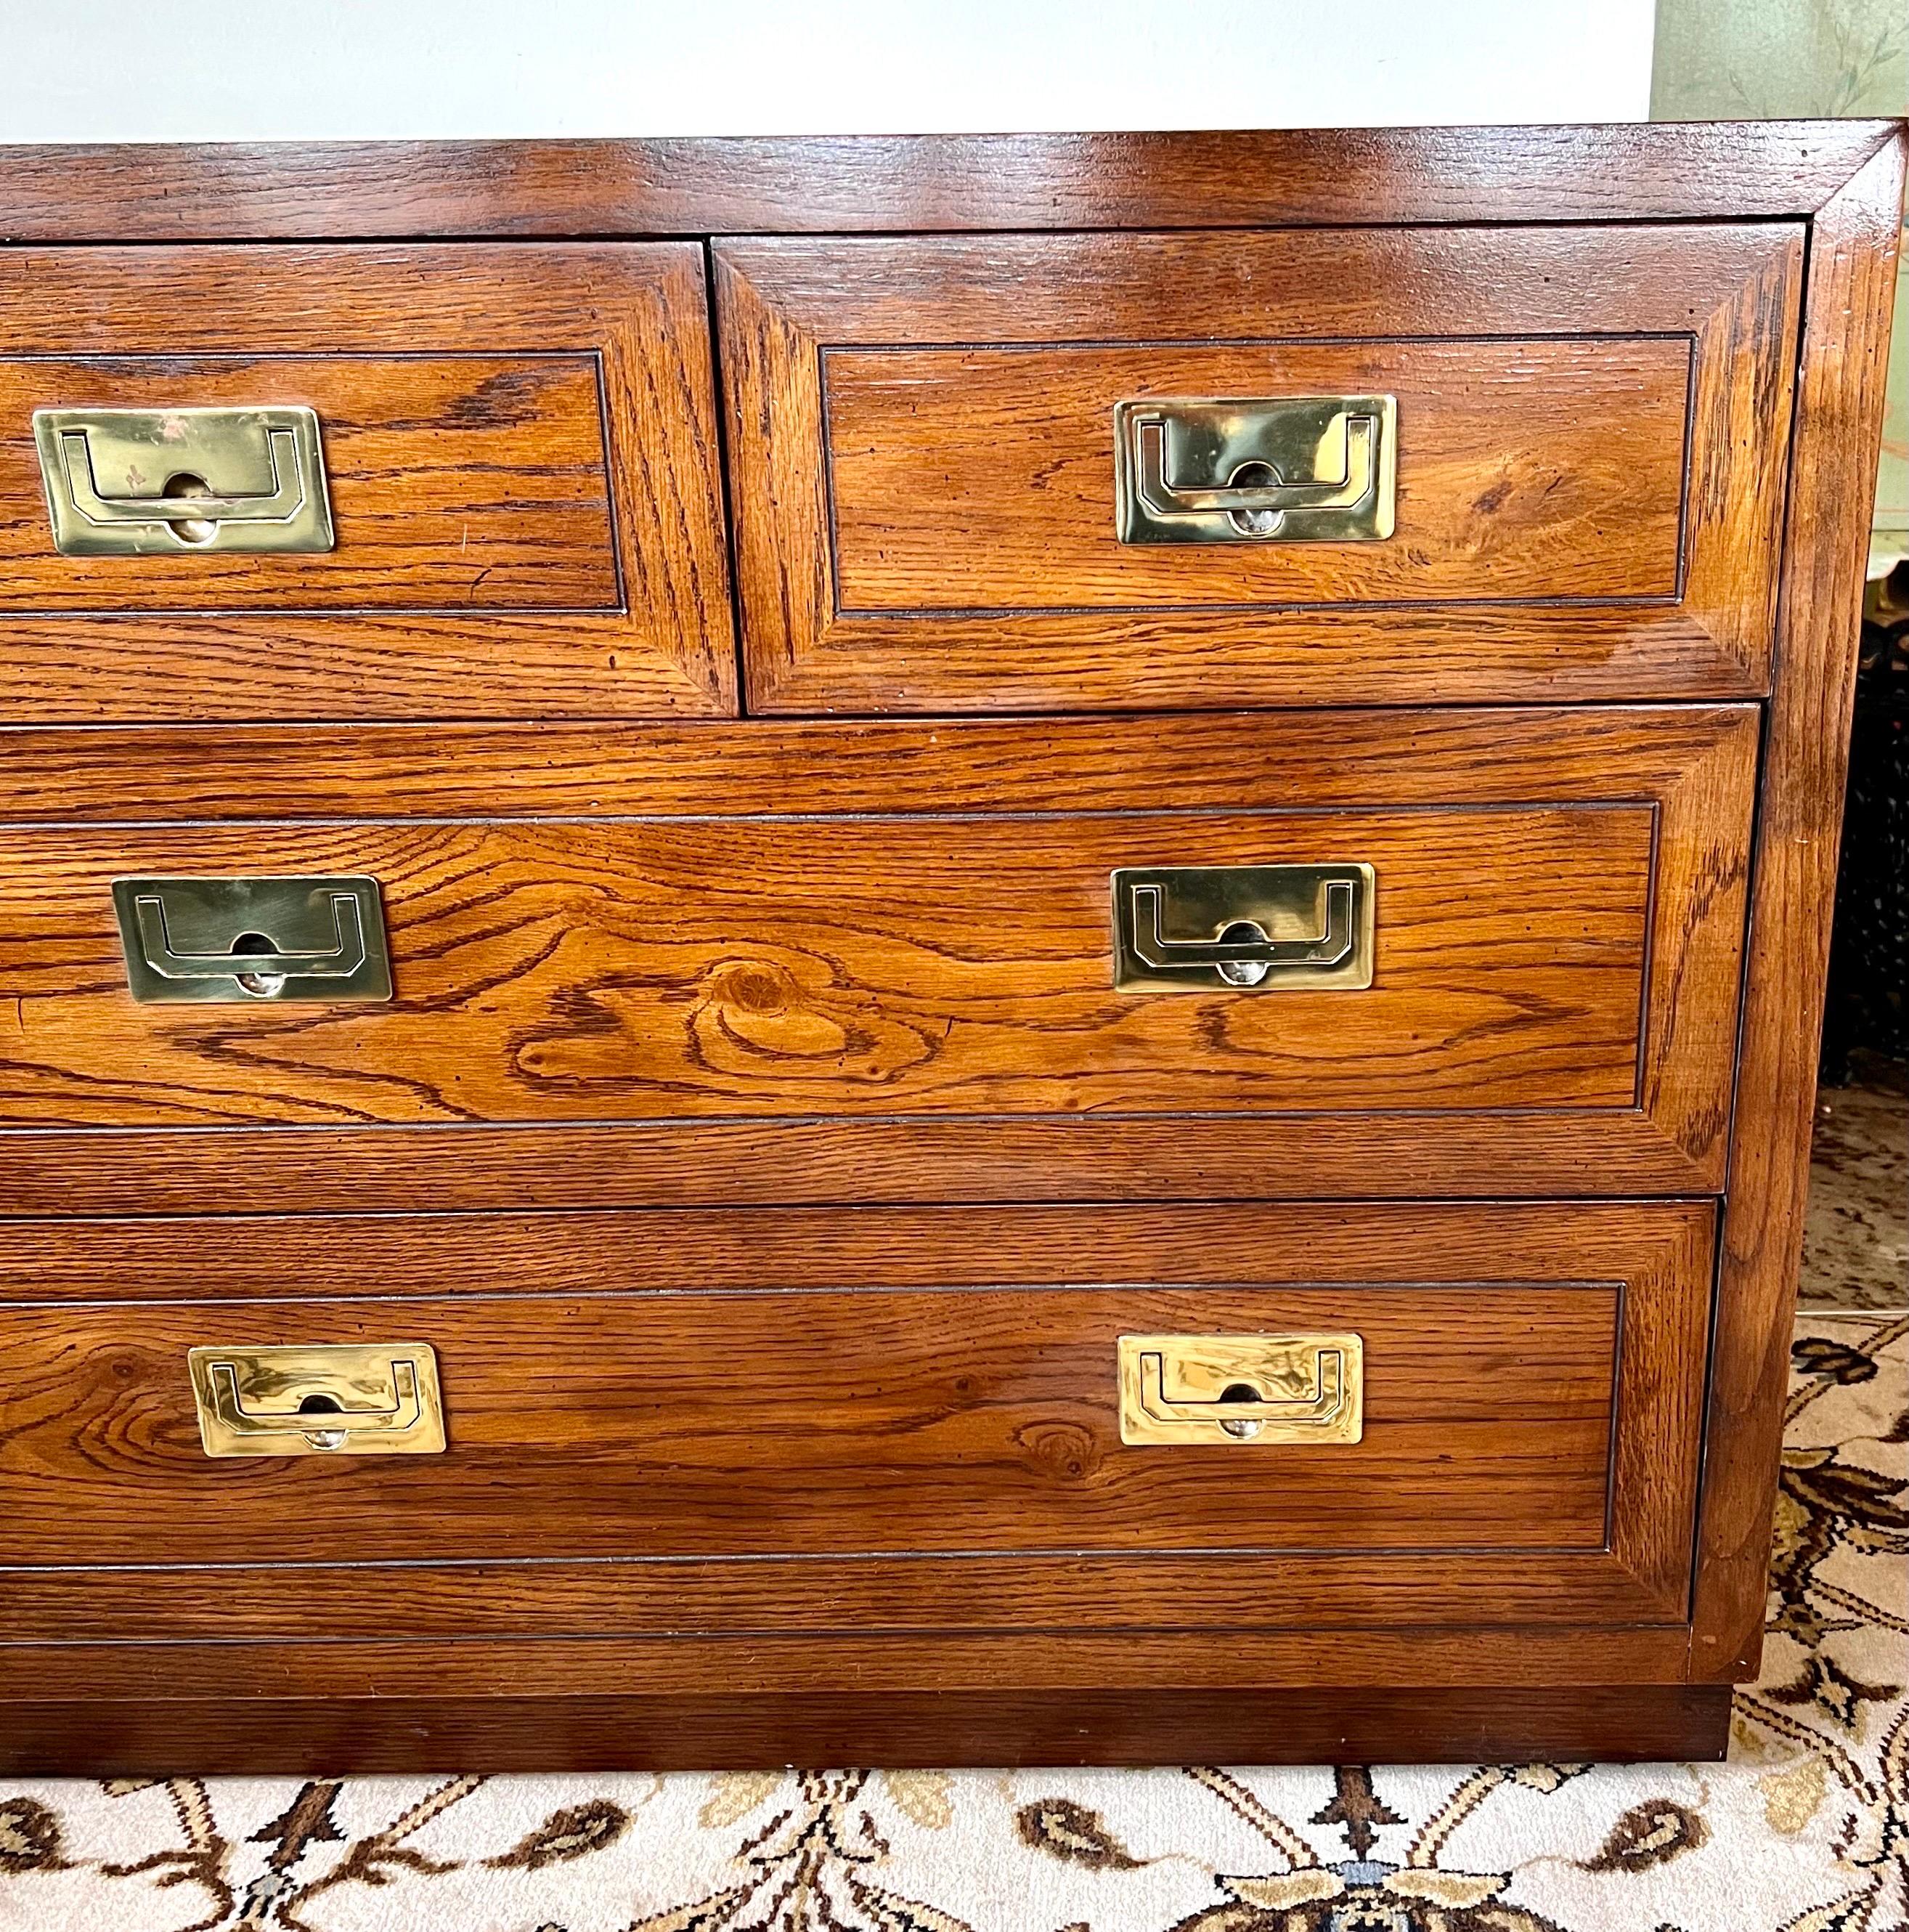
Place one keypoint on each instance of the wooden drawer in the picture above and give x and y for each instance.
(1590, 439)
(520, 451)
(722, 935)
(895, 1419)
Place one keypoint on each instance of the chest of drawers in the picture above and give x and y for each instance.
(930, 950)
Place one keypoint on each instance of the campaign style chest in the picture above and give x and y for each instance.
(936, 950)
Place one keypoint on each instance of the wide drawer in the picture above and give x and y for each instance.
(1587, 441)
(722, 933)
(783, 1418)
(515, 446)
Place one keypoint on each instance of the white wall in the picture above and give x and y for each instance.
(259, 70)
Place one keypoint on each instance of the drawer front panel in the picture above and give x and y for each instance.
(456, 484)
(517, 447)
(1589, 433)
(1527, 469)
(932, 1385)
(935, 966)
(942, 965)
(699, 1424)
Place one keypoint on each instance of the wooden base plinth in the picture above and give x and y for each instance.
(334, 1736)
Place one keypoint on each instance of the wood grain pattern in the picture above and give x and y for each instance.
(302, 191)
(891, 965)
(566, 768)
(809, 1662)
(1356, 251)
(941, 537)
(896, 1623)
(1852, 252)
(1694, 762)
(771, 1423)
(728, 1386)
(928, 964)
(834, 1159)
(459, 485)
(980, 479)
(491, 560)
(358, 1735)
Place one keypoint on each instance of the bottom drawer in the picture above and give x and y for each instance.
(876, 1419)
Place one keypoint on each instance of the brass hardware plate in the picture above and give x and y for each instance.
(1269, 469)
(1242, 1388)
(347, 1399)
(1242, 928)
(234, 940)
(169, 482)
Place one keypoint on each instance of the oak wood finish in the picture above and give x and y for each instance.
(921, 442)
(522, 451)
(915, 965)
(1280, 177)
(1806, 765)
(334, 1736)
(462, 485)
(1494, 277)
(563, 971)
(561, 769)
(812, 1661)
(909, 1654)
(812, 1159)
(968, 479)
(773, 1424)
(885, 1387)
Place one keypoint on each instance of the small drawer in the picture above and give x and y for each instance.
(358, 482)
(1504, 465)
(792, 1418)
(1298, 943)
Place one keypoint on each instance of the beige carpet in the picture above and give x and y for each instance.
(1856, 1239)
(1805, 1829)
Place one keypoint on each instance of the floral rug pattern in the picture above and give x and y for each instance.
(1804, 1829)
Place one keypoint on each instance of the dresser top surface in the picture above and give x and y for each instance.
(932, 183)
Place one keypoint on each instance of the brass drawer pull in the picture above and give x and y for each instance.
(1289, 469)
(353, 1399)
(249, 923)
(135, 482)
(1242, 1388)
(1271, 929)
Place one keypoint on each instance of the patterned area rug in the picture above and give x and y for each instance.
(1805, 1829)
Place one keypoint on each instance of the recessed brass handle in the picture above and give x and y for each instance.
(141, 482)
(339, 961)
(1242, 1388)
(230, 939)
(1290, 469)
(1243, 499)
(379, 1399)
(1268, 929)
(1251, 958)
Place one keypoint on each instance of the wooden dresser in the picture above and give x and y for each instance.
(943, 950)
